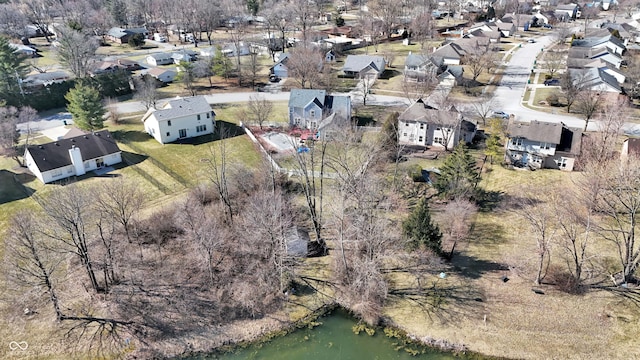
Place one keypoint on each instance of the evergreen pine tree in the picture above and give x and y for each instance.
(459, 174)
(85, 105)
(420, 230)
(494, 141)
(389, 136)
(13, 68)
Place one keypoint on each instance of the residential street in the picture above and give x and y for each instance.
(514, 82)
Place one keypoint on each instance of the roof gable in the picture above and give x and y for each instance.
(300, 98)
(357, 63)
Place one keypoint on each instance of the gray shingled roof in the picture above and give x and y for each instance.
(592, 77)
(423, 113)
(357, 63)
(181, 107)
(536, 130)
(160, 56)
(415, 59)
(299, 98)
(55, 154)
(593, 42)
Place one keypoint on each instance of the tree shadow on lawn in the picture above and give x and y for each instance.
(473, 268)
(388, 74)
(12, 186)
(130, 136)
(441, 300)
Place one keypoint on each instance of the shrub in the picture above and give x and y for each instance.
(553, 99)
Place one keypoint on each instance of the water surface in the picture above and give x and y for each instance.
(333, 340)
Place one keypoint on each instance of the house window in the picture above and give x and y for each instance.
(56, 172)
(420, 139)
(201, 128)
(406, 124)
(314, 124)
(198, 116)
(544, 146)
(296, 121)
(421, 126)
(86, 165)
(438, 129)
(404, 134)
(70, 170)
(169, 123)
(438, 140)
(562, 163)
(516, 141)
(168, 133)
(208, 115)
(313, 113)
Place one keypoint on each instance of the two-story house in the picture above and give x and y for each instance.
(424, 125)
(542, 144)
(180, 118)
(419, 67)
(315, 109)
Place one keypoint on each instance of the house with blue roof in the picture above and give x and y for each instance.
(316, 110)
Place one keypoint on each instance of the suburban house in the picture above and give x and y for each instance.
(579, 57)
(184, 55)
(450, 54)
(73, 156)
(541, 144)
(451, 76)
(315, 110)
(180, 118)
(159, 59)
(360, 66)
(610, 42)
(280, 69)
(595, 79)
(567, 11)
(630, 147)
(45, 79)
(423, 125)
(163, 75)
(506, 29)
(122, 36)
(419, 67)
(105, 67)
(23, 49)
(209, 52)
(330, 56)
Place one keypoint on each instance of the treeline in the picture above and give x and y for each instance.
(52, 96)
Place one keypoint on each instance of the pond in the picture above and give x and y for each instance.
(334, 339)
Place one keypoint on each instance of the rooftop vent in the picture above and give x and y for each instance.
(40, 147)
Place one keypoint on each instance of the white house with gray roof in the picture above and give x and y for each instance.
(419, 67)
(360, 66)
(595, 79)
(315, 110)
(180, 118)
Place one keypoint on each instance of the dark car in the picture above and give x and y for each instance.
(547, 26)
(273, 78)
(552, 82)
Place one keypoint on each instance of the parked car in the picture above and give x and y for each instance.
(552, 82)
(273, 78)
(531, 40)
(547, 26)
(500, 114)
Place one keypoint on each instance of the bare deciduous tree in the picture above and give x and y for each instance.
(69, 209)
(483, 109)
(305, 63)
(76, 50)
(146, 91)
(457, 218)
(33, 263)
(538, 212)
(588, 103)
(259, 109)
